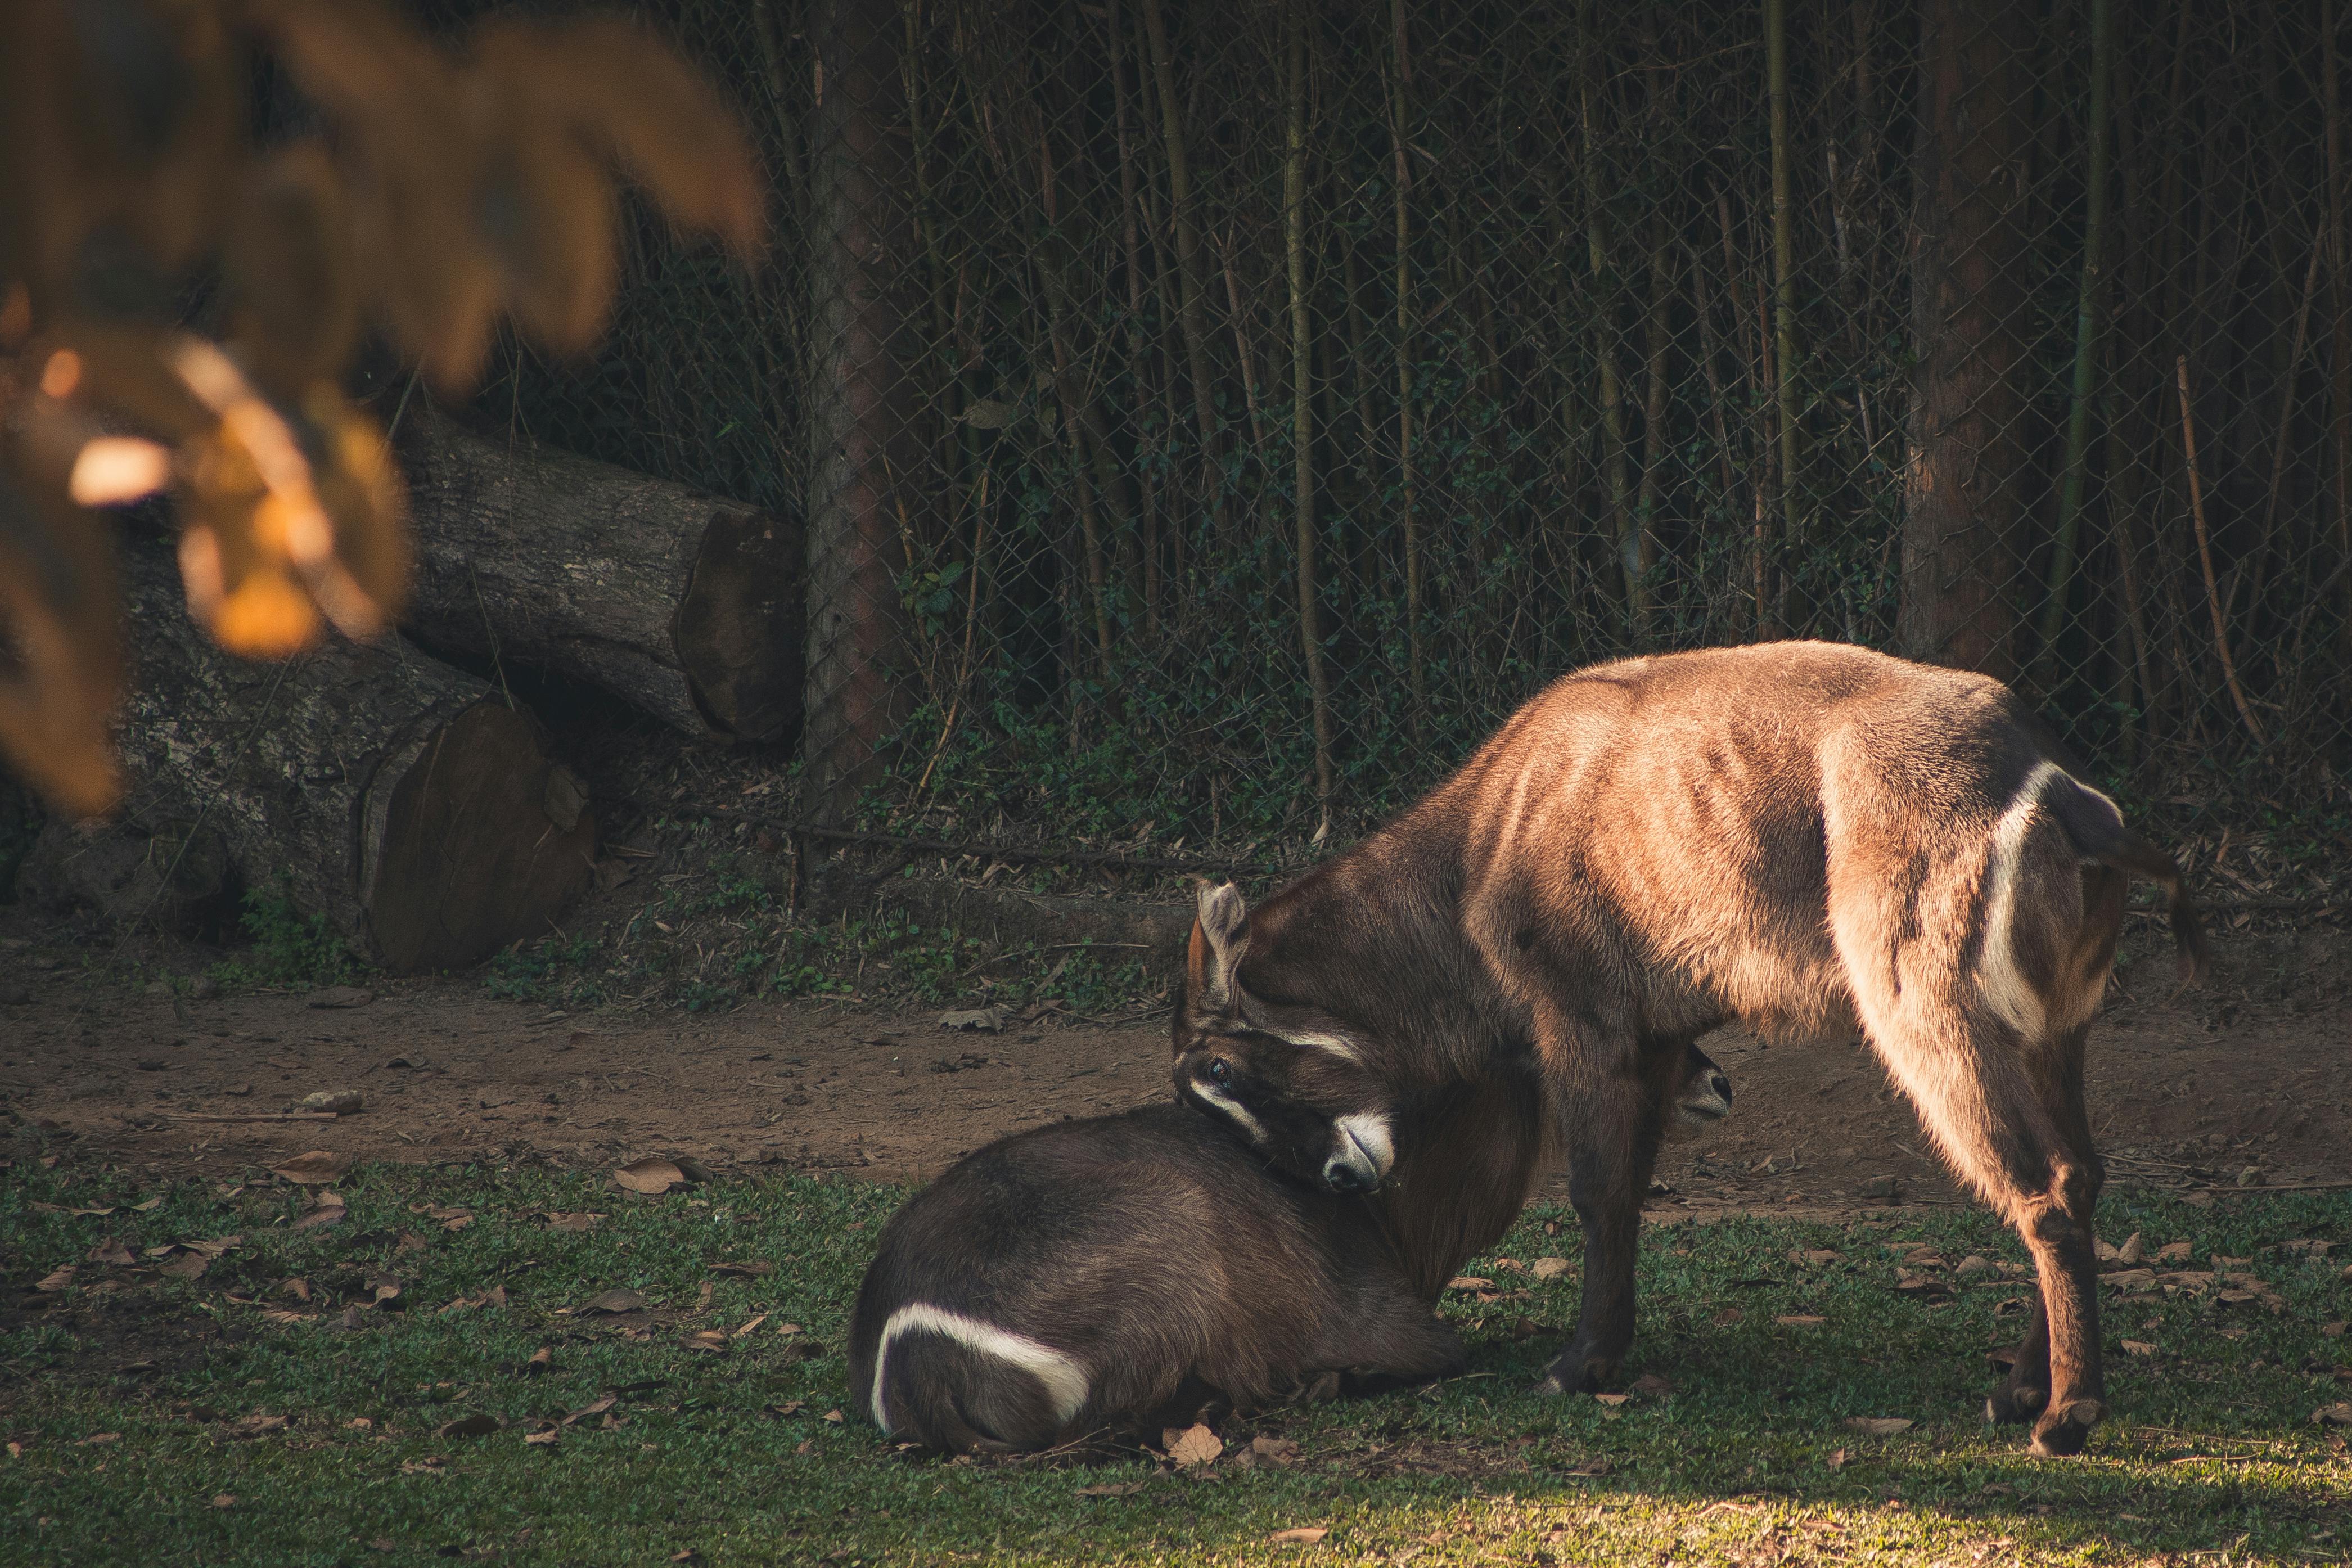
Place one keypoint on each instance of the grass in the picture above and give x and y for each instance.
(138, 1407)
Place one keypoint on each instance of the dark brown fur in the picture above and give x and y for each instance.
(1156, 1253)
(1804, 839)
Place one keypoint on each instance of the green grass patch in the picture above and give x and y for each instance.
(225, 1419)
(289, 950)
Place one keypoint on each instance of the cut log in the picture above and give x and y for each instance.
(403, 800)
(688, 607)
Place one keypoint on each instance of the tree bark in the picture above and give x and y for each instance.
(400, 798)
(1968, 275)
(867, 463)
(688, 606)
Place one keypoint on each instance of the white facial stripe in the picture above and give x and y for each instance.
(1065, 1379)
(1369, 1131)
(1315, 1039)
(1232, 1108)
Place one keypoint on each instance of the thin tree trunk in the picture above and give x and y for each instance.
(1192, 277)
(1402, 180)
(1138, 342)
(2340, 301)
(2086, 337)
(1302, 393)
(866, 455)
(1784, 268)
(1613, 465)
(2205, 558)
(1653, 431)
(1969, 269)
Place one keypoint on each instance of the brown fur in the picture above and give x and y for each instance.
(1802, 839)
(1148, 1256)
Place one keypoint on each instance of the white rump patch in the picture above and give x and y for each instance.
(2006, 989)
(1369, 1131)
(1065, 1379)
(1232, 1109)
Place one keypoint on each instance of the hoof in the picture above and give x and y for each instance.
(2063, 1434)
(2013, 1406)
(1549, 1388)
(1573, 1374)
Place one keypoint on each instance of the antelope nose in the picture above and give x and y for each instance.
(1719, 1086)
(1342, 1178)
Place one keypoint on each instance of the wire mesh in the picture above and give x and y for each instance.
(1213, 416)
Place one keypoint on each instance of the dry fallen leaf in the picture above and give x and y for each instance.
(225, 1499)
(479, 1425)
(706, 1340)
(1877, 1425)
(752, 1326)
(1612, 1400)
(595, 1407)
(215, 1247)
(1192, 1445)
(112, 1253)
(745, 1270)
(1837, 1458)
(1111, 1488)
(1274, 1450)
(2338, 1415)
(187, 1266)
(1651, 1383)
(651, 1175)
(1800, 1320)
(543, 1436)
(1549, 1267)
(317, 1168)
(56, 1281)
(258, 1425)
(2138, 1347)
(614, 1302)
(1305, 1535)
(569, 1222)
(154, 1203)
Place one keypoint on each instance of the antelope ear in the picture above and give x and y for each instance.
(1220, 937)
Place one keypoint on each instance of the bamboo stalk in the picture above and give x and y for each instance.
(1401, 81)
(2205, 557)
(1191, 278)
(1612, 412)
(1784, 267)
(2086, 336)
(1075, 412)
(2340, 296)
(1654, 430)
(1293, 212)
(1756, 352)
(1241, 348)
(1139, 350)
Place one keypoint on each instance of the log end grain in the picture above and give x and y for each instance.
(480, 840)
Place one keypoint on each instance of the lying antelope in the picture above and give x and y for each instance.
(1802, 838)
(1087, 1276)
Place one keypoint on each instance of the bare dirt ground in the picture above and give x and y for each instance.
(2242, 1082)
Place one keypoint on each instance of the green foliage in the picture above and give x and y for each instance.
(126, 1402)
(290, 949)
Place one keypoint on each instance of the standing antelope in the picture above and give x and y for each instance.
(1090, 1274)
(1802, 839)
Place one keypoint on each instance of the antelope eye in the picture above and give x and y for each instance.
(1221, 1071)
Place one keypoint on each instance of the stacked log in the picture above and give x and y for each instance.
(404, 800)
(688, 607)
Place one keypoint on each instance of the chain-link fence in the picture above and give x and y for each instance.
(1213, 416)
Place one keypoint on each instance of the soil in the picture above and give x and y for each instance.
(2241, 1082)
